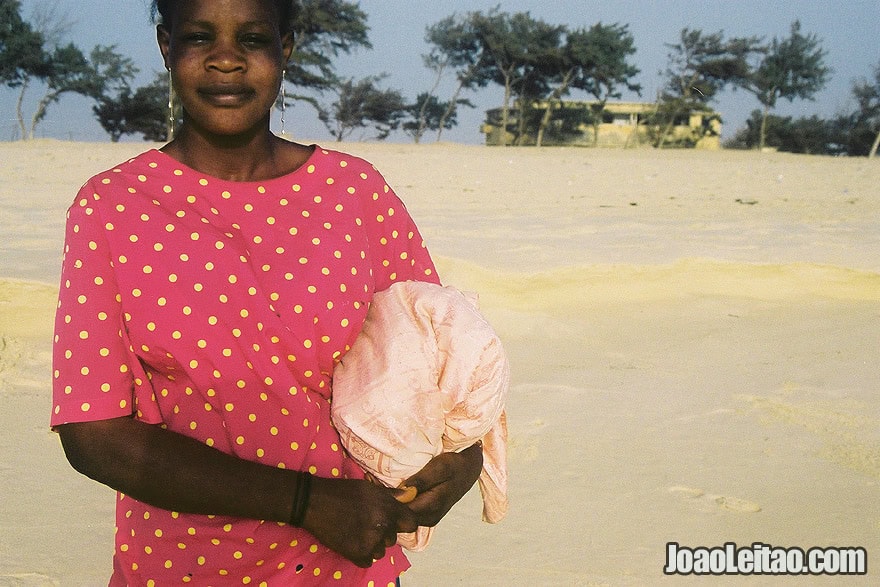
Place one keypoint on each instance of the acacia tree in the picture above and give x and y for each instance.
(21, 47)
(516, 48)
(322, 30)
(361, 104)
(142, 111)
(699, 67)
(430, 113)
(791, 68)
(593, 60)
(31, 54)
(455, 49)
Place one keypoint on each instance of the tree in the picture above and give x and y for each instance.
(68, 71)
(361, 104)
(456, 48)
(699, 67)
(867, 95)
(35, 53)
(429, 113)
(21, 47)
(144, 111)
(792, 68)
(322, 29)
(593, 60)
(516, 47)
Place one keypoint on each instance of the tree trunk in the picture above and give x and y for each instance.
(667, 130)
(556, 96)
(875, 146)
(449, 109)
(40, 113)
(19, 110)
(505, 113)
(422, 122)
(545, 120)
(762, 140)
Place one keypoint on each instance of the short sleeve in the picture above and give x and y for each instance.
(92, 376)
(398, 249)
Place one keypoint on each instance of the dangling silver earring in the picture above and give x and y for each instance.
(170, 106)
(283, 102)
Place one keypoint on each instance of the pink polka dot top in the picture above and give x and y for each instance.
(218, 309)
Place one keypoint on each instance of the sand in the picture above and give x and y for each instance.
(693, 339)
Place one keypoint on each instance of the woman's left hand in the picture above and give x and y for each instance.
(444, 481)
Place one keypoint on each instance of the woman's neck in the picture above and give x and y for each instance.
(258, 157)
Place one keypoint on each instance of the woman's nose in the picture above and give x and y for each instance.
(226, 57)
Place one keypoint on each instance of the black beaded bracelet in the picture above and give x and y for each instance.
(301, 499)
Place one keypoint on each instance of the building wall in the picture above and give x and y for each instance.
(624, 126)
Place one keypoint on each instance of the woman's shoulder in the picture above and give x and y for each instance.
(147, 162)
(342, 160)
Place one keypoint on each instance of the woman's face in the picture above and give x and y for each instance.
(226, 59)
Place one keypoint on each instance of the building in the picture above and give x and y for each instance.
(618, 124)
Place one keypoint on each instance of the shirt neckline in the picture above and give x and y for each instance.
(189, 170)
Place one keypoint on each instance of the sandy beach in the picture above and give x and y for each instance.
(693, 339)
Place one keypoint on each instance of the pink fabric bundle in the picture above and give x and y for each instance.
(427, 374)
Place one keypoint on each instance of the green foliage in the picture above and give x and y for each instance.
(21, 48)
(143, 111)
(361, 104)
(517, 47)
(322, 30)
(791, 68)
(455, 48)
(593, 60)
(808, 135)
(865, 134)
(699, 66)
(62, 69)
(428, 113)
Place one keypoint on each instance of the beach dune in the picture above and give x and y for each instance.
(693, 339)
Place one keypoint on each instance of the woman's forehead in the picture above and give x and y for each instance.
(213, 11)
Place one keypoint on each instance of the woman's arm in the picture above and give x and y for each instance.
(171, 471)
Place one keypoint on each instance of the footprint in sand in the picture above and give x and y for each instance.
(733, 504)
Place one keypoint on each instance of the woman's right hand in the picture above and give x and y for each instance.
(356, 518)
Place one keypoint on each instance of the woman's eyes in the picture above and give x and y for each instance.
(252, 40)
(197, 37)
(255, 40)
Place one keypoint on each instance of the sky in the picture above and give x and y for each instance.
(848, 29)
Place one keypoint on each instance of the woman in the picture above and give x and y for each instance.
(208, 289)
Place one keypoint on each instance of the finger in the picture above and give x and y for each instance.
(428, 508)
(434, 473)
(407, 521)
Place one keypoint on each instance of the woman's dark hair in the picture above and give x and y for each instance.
(287, 11)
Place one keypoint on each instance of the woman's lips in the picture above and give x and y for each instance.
(226, 94)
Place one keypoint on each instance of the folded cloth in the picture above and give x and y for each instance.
(427, 374)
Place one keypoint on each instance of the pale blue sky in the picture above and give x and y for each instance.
(847, 27)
